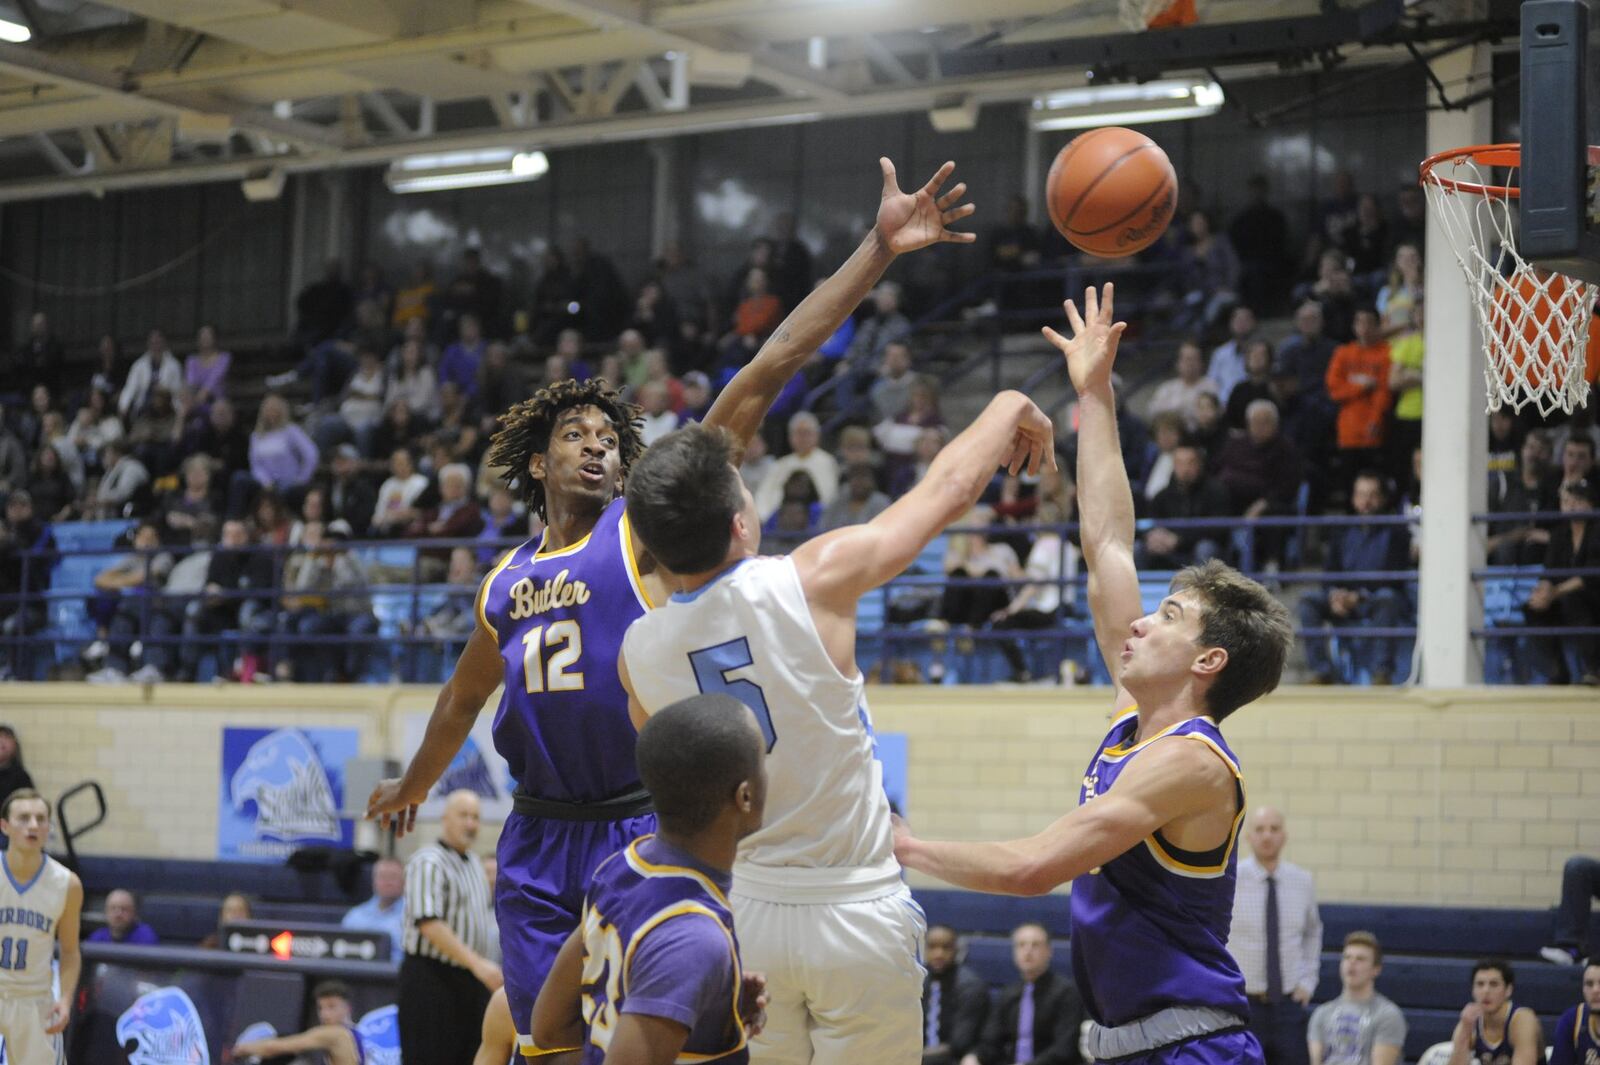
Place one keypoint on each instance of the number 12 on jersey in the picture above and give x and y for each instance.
(711, 668)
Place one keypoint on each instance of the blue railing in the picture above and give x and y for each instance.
(400, 601)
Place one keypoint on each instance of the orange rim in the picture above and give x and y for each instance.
(1502, 155)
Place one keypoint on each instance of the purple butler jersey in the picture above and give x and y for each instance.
(658, 941)
(559, 617)
(1150, 927)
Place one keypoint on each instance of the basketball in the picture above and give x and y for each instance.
(1111, 192)
(1531, 323)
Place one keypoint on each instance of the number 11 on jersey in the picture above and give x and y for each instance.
(711, 668)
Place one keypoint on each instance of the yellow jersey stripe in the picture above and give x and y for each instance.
(482, 604)
(539, 552)
(630, 559)
(647, 868)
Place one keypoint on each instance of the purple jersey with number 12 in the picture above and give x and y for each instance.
(558, 618)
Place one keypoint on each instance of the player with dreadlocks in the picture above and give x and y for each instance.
(552, 613)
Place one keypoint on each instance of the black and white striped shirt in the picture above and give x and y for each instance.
(444, 884)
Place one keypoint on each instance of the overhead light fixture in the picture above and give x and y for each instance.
(958, 117)
(264, 187)
(1106, 105)
(465, 170)
(15, 32)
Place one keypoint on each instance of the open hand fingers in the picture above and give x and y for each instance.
(891, 187)
(940, 176)
(1075, 319)
(956, 214)
(1055, 338)
(952, 197)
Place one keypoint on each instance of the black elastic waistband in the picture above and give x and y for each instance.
(616, 808)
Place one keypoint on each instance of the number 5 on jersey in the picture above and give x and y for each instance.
(541, 675)
(711, 668)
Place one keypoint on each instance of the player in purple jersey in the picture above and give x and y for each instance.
(1493, 1029)
(652, 976)
(1152, 846)
(335, 1036)
(1577, 1040)
(552, 613)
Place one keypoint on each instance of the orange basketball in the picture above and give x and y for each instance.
(1528, 317)
(1111, 192)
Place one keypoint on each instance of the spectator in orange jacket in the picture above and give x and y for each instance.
(1358, 382)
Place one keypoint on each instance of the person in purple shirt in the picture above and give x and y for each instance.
(282, 457)
(123, 924)
(460, 360)
(678, 992)
(205, 373)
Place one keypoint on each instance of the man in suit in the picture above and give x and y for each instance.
(1036, 1020)
(955, 1001)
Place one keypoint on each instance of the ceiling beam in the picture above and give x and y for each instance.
(879, 55)
(34, 65)
(628, 15)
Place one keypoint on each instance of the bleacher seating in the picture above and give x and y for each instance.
(1428, 951)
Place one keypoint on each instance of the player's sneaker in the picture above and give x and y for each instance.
(1559, 955)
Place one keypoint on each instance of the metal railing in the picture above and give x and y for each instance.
(407, 599)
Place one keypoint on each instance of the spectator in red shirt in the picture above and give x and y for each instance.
(1358, 382)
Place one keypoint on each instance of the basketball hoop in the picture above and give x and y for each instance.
(1536, 323)
(1140, 15)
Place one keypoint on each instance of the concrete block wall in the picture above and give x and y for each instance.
(1471, 797)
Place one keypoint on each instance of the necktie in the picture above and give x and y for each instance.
(1025, 1025)
(935, 995)
(1274, 956)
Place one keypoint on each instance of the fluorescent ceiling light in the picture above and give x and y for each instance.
(1104, 105)
(464, 170)
(15, 32)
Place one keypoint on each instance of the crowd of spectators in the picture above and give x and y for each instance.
(379, 429)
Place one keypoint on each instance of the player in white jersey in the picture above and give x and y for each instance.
(818, 899)
(40, 901)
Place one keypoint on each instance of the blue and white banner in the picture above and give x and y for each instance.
(380, 1035)
(163, 1028)
(281, 790)
(477, 767)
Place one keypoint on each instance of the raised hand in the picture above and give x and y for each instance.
(1034, 444)
(908, 221)
(1095, 334)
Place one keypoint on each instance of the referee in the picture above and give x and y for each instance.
(446, 977)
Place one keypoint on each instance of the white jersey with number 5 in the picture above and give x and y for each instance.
(29, 912)
(749, 633)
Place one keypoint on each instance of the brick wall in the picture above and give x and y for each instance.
(1437, 797)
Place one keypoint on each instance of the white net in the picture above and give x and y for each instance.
(1535, 323)
(1136, 14)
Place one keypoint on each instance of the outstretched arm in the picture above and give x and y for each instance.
(477, 674)
(1105, 500)
(839, 567)
(325, 1038)
(906, 222)
(1171, 779)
